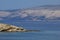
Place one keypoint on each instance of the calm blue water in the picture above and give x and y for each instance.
(50, 30)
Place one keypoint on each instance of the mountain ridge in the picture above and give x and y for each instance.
(46, 12)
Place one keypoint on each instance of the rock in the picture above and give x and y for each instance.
(32, 31)
(10, 28)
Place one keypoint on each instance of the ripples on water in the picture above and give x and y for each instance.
(49, 31)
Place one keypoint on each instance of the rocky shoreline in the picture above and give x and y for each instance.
(12, 28)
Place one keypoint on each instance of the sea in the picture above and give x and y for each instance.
(49, 30)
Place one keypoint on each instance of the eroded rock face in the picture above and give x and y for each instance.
(11, 28)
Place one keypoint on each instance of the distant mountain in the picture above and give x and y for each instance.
(46, 12)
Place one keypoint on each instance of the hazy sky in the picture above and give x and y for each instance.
(17, 4)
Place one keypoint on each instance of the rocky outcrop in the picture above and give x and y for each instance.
(10, 28)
